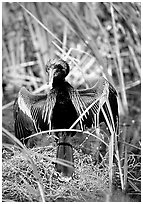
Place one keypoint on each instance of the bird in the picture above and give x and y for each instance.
(64, 107)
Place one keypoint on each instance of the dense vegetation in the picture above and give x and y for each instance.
(96, 39)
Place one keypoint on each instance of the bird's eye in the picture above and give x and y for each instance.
(47, 68)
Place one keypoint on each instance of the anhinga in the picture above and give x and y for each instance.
(61, 107)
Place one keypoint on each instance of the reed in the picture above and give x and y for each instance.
(96, 39)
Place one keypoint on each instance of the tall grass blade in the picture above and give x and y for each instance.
(27, 155)
(121, 79)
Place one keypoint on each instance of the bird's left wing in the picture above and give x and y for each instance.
(90, 102)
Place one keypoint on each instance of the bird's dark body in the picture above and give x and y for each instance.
(60, 108)
(64, 113)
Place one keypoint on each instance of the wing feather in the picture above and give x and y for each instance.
(28, 112)
(94, 99)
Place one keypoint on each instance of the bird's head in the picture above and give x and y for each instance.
(57, 71)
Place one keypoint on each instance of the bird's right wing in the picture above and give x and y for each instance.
(30, 111)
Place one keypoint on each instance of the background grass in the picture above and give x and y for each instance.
(96, 39)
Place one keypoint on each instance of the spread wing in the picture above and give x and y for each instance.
(29, 113)
(97, 104)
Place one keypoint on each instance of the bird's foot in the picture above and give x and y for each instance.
(63, 178)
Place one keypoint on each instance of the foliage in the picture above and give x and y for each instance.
(96, 38)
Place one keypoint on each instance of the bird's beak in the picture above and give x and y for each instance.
(51, 76)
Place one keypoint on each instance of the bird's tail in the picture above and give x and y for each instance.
(65, 163)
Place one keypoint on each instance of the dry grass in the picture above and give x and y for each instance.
(29, 174)
(19, 182)
(90, 182)
(96, 39)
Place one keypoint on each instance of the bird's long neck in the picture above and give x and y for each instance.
(59, 83)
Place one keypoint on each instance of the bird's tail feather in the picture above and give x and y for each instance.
(65, 159)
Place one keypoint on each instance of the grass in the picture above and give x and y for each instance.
(29, 174)
(20, 183)
(89, 183)
(96, 39)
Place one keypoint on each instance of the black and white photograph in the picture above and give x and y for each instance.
(71, 101)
